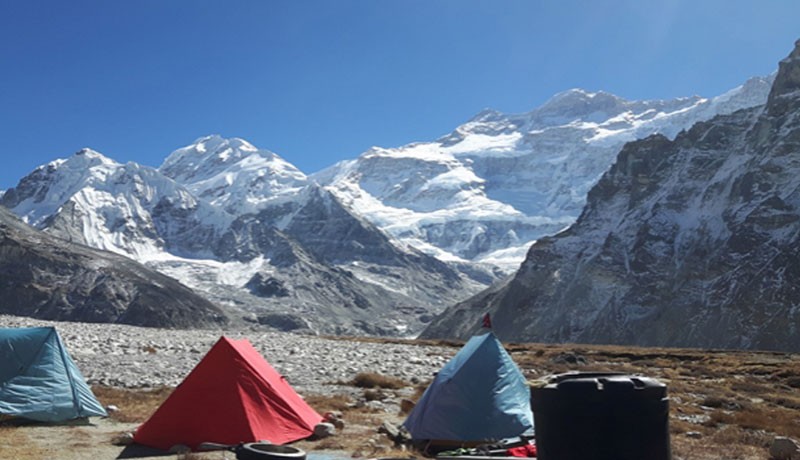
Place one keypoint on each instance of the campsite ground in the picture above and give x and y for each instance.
(724, 404)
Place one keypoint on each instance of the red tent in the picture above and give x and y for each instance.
(233, 395)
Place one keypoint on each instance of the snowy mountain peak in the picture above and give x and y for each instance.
(83, 158)
(579, 104)
(232, 173)
(216, 144)
(487, 115)
(581, 96)
(104, 204)
(87, 152)
(212, 150)
(49, 186)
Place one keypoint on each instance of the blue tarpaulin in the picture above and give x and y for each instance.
(479, 395)
(39, 380)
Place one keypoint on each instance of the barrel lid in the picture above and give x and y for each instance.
(606, 383)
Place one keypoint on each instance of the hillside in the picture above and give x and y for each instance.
(42, 276)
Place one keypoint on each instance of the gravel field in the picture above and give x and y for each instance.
(142, 358)
(135, 357)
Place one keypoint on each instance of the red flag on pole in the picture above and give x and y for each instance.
(487, 321)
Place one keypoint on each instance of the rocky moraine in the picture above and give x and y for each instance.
(136, 357)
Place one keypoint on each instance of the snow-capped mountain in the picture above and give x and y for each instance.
(124, 208)
(234, 175)
(685, 242)
(486, 191)
(248, 230)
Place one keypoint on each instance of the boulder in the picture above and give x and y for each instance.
(783, 448)
(324, 429)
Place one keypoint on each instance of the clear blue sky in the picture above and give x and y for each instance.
(321, 81)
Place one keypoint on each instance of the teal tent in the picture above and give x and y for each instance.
(479, 395)
(39, 380)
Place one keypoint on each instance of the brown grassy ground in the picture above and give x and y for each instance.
(136, 405)
(723, 404)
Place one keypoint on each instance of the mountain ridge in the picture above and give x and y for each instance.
(247, 230)
(484, 192)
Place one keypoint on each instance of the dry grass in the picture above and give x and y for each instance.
(732, 402)
(135, 406)
(359, 435)
(330, 403)
(723, 404)
(12, 438)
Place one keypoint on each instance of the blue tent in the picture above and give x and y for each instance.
(479, 395)
(39, 380)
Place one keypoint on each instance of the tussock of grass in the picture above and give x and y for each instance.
(373, 380)
(749, 387)
(329, 403)
(715, 402)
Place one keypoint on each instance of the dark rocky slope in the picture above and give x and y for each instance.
(45, 277)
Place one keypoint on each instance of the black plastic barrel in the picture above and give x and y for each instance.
(581, 416)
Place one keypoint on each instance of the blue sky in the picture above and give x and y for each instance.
(321, 81)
